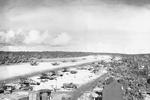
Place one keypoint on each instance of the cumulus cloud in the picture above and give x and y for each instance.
(61, 39)
(10, 37)
(33, 37)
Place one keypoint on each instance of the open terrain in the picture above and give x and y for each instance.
(81, 72)
(79, 78)
(11, 71)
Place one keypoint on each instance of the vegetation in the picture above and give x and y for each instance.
(23, 57)
(133, 72)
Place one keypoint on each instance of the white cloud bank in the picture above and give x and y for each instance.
(33, 37)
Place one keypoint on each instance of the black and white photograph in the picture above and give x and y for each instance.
(74, 49)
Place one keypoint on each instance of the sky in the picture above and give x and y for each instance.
(113, 26)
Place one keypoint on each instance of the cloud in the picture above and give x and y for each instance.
(9, 36)
(38, 3)
(61, 39)
(76, 18)
(33, 37)
(127, 2)
(100, 26)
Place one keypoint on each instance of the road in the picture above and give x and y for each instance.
(87, 87)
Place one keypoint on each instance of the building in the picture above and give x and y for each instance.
(34, 95)
(44, 94)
